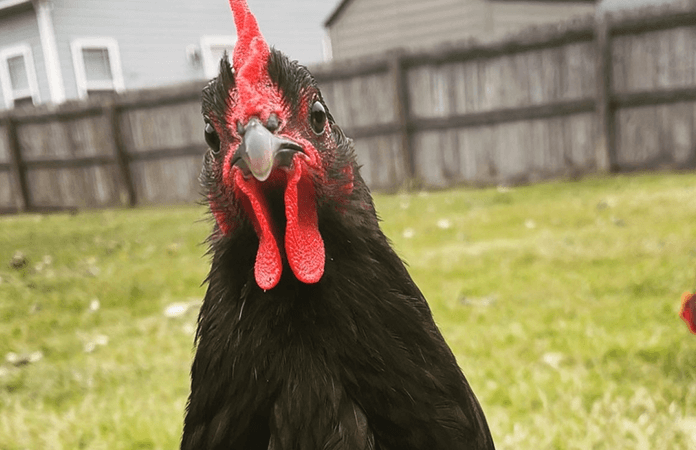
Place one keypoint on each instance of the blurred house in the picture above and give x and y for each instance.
(366, 27)
(633, 4)
(57, 50)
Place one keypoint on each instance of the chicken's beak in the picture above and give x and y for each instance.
(261, 150)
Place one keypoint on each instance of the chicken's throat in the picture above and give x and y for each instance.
(283, 211)
(275, 199)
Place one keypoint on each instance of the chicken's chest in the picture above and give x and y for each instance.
(294, 341)
(294, 335)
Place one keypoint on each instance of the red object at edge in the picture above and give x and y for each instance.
(688, 310)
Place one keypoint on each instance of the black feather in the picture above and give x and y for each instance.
(216, 98)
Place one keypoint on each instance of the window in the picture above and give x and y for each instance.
(97, 67)
(212, 49)
(18, 77)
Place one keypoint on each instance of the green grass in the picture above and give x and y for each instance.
(560, 301)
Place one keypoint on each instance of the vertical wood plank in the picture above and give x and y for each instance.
(122, 158)
(401, 107)
(606, 149)
(18, 166)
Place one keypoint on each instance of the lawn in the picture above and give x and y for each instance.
(560, 301)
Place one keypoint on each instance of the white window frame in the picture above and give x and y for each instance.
(111, 45)
(210, 64)
(23, 50)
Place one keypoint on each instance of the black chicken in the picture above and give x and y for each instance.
(312, 334)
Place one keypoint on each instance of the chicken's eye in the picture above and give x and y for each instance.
(211, 138)
(318, 117)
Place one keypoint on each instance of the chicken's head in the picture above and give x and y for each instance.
(275, 155)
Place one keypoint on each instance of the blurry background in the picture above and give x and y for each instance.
(559, 298)
(101, 98)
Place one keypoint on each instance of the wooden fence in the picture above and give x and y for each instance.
(141, 148)
(616, 93)
(613, 94)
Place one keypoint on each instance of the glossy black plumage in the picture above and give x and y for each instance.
(354, 361)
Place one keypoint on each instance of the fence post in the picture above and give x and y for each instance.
(401, 99)
(605, 151)
(122, 157)
(18, 166)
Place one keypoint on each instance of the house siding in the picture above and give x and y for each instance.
(374, 26)
(369, 27)
(511, 16)
(22, 28)
(152, 36)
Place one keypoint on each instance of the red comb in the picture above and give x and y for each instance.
(250, 58)
(250, 43)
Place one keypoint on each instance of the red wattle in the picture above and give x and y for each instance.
(304, 245)
(269, 265)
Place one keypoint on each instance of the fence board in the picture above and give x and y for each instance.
(340, 104)
(510, 152)
(390, 173)
(583, 136)
(166, 181)
(676, 125)
(77, 187)
(490, 84)
(9, 197)
(557, 141)
(147, 130)
(430, 85)
(580, 71)
(5, 153)
(451, 164)
(382, 165)
(520, 80)
(638, 143)
(50, 148)
(657, 136)
(378, 96)
(542, 163)
(467, 96)
(477, 166)
(683, 57)
(162, 126)
(657, 59)
(428, 150)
